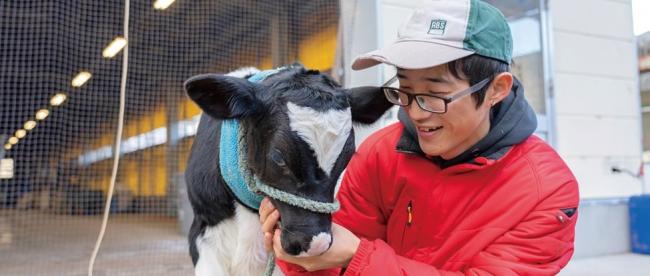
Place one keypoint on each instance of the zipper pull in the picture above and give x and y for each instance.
(409, 210)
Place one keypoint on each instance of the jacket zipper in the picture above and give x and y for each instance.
(409, 220)
(409, 211)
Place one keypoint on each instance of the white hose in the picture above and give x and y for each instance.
(118, 141)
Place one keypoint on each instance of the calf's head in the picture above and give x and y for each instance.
(299, 135)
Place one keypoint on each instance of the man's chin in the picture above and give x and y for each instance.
(430, 151)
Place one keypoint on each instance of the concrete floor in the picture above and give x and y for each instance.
(35, 243)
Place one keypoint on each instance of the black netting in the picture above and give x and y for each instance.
(51, 201)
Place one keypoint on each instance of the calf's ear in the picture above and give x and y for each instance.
(223, 97)
(367, 104)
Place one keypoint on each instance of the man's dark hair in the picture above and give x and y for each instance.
(475, 68)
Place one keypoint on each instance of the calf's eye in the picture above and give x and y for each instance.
(276, 157)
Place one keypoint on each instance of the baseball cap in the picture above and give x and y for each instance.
(442, 31)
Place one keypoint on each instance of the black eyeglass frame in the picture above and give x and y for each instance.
(471, 90)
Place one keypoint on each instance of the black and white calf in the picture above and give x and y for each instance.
(299, 137)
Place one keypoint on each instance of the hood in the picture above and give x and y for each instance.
(511, 122)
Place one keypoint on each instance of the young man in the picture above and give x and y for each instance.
(459, 186)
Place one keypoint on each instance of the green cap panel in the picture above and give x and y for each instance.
(488, 33)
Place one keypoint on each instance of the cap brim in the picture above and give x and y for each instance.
(411, 54)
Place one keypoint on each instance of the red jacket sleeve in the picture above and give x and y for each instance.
(541, 244)
(292, 269)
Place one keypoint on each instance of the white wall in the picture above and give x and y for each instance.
(596, 94)
(361, 20)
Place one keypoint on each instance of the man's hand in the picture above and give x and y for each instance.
(269, 217)
(344, 244)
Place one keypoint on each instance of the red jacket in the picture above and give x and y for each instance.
(514, 215)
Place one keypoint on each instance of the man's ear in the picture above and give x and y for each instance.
(223, 97)
(501, 86)
(367, 104)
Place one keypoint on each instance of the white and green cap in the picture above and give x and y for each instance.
(442, 31)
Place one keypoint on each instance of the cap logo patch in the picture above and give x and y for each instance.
(437, 27)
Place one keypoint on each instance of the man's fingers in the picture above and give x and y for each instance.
(269, 218)
(263, 203)
(277, 245)
(268, 241)
(266, 208)
(270, 222)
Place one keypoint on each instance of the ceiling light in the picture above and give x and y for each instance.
(58, 99)
(114, 47)
(162, 4)
(7, 146)
(13, 140)
(21, 133)
(42, 114)
(29, 125)
(81, 78)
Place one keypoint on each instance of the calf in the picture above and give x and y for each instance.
(296, 125)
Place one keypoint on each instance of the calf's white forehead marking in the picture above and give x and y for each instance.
(325, 132)
(244, 71)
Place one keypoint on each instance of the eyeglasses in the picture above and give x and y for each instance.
(431, 103)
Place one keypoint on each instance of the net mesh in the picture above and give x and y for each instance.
(54, 178)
